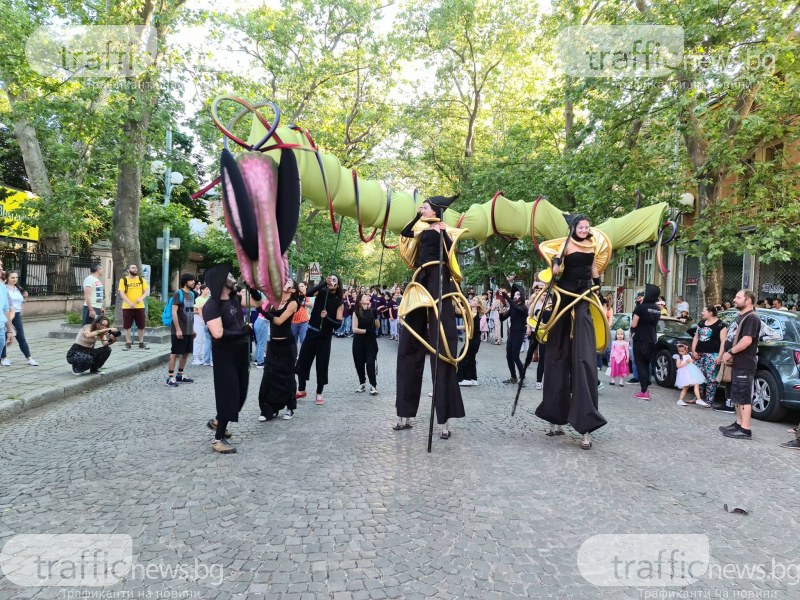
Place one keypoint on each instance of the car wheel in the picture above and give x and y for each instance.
(665, 369)
(767, 397)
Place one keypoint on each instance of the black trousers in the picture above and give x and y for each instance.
(513, 346)
(315, 346)
(231, 378)
(365, 355)
(643, 354)
(468, 368)
(411, 355)
(540, 364)
(85, 359)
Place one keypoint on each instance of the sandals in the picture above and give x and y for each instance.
(212, 425)
(400, 426)
(445, 435)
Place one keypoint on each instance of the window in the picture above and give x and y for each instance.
(649, 261)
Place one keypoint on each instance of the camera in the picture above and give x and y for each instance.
(114, 333)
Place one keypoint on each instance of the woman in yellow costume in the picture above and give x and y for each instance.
(427, 311)
(573, 335)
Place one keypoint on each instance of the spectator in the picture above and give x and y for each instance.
(201, 347)
(707, 348)
(82, 355)
(741, 350)
(93, 294)
(182, 330)
(261, 330)
(681, 306)
(133, 290)
(662, 306)
(300, 317)
(6, 314)
(777, 304)
(16, 296)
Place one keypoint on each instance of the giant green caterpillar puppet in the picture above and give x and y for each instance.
(262, 187)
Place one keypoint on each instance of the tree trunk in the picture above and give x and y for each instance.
(60, 278)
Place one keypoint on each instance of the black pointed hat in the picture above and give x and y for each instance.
(441, 202)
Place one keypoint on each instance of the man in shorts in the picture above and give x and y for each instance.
(743, 354)
(182, 329)
(133, 289)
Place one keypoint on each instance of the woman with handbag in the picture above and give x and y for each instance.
(707, 347)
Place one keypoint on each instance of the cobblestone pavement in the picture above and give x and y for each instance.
(334, 504)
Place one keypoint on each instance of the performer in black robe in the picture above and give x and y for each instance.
(278, 387)
(230, 345)
(518, 314)
(570, 372)
(326, 317)
(422, 320)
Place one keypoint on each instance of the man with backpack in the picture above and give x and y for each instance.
(133, 289)
(179, 314)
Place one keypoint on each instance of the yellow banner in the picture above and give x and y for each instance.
(13, 219)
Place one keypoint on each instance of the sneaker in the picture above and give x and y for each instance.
(144, 346)
(196, 363)
(223, 447)
(538, 385)
(5, 362)
(682, 403)
(288, 414)
(511, 380)
(259, 366)
(262, 418)
(600, 386)
(319, 400)
(465, 382)
(171, 382)
(300, 394)
(724, 408)
(703, 403)
(184, 379)
(373, 391)
(738, 434)
(794, 445)
(76, 373)
(642, 395)
(474, 382)
(361, 388)
(32, 363)
(730, 427)
(127, 346)
(633, 380)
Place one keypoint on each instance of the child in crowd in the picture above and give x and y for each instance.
(688, 375)
(619, 358)
(484, 326)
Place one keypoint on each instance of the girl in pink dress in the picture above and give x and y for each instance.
(619, 358)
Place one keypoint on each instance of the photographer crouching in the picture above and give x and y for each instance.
(83, 356)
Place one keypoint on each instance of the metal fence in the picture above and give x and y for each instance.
(44, 274)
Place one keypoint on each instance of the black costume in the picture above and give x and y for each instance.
(410, 352)
(365, 347)
(317, 344)
(278, 385)
(518, 313)
(230, 352)
(468, 368)
(570, 382)
(645, 334)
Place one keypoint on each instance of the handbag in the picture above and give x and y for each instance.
(726, 368)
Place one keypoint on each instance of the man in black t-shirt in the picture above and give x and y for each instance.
(644, 328)
(741, 349)
(182, 329)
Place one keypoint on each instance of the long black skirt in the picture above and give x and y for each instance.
(570, 374)
(231, 378)
(411, 355)
(278, 385)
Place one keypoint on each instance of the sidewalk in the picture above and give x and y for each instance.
(27, 387)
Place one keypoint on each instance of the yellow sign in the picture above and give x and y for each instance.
(13, 220)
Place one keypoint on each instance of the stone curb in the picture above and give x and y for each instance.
(9, 409)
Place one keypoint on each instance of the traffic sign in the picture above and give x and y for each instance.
(314, 272)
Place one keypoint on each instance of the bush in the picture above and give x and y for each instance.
(74, 318)
(154, 309)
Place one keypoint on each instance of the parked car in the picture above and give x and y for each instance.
(776, 387)
(669, 332)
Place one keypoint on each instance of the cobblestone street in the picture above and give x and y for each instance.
(335, 504)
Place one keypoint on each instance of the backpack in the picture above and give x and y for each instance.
(166, 315)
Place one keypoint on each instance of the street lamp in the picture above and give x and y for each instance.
(170, 178)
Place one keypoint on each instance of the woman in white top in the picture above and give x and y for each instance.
(16, 296)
